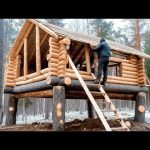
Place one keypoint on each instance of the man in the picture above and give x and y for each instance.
(104, 53)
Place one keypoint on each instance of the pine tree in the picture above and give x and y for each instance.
(102, 28)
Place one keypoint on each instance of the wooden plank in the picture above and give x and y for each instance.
(87, 58)
(26, 36)
(38, 54)
(100, 114)
(25, 58)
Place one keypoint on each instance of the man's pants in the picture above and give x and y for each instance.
(102, 67)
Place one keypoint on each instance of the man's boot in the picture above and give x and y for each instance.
(97, 81)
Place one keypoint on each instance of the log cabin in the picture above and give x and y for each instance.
(41, 61)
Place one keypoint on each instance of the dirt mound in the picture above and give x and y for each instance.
(77, 125)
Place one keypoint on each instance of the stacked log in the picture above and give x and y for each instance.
(11, 71)
(53, 56)
(63, 59)
(128, 71)
(141, 72)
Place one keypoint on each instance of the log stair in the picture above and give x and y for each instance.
(95, 105)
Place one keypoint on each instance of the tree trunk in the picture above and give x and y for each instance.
(58, 115)
(1, 66)
(11, 111)
(140, 107)
(47, 108)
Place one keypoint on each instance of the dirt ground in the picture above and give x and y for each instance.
(77, 125)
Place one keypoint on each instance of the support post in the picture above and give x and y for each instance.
(25, 59)
(90, 109)
(140, 107)
(38, 54)
(58, 115)
(87, 58)
(11, 111)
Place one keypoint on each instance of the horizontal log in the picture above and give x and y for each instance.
(39, 94)
(46, 70)
(51, 39)
(52, 55)
(141, 78)
(141, 71)
(61, 67)
(54, 50)
(129, 72)
(63, 57)
(54, 43)
(129, 65)
(10, 76)
(60, 71)
(98, 95)
(141, 74)
(54, 47)
(10, 84)
(10, 81)
(75, 94)
(53, 65)
(63, 52)
(62, 62)
(65, 41)
(73, 76)
(122, 79)
(53, 60)
(132, 62)
(53, 70)
(10, 72)
(53, 73)
(113, 59)
(122, 82)
(129, 76)
(76, 86)
(10, 68)
(32, 75)
(81, 72)
(129, 68)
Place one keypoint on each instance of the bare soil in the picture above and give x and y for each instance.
(77, 125)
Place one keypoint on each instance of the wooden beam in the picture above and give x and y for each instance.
(38, 54)
(76, 86)
(39, 94)
(25, 58)
(26, 36)
(87, 58)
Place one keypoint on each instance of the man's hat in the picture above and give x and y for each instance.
(102, 40)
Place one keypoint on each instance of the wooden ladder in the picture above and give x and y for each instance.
(95, 105)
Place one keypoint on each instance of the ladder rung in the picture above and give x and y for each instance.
(119, 129)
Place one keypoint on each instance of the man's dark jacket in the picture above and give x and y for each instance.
(103, 49)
